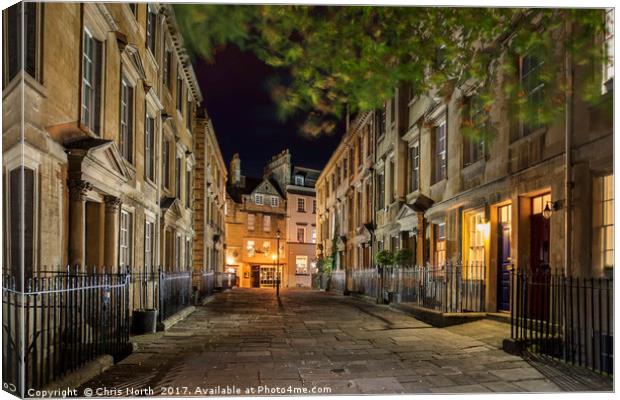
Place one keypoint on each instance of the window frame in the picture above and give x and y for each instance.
(440, 152)
(149, 148)
(301, 238)
(125, 243)
(301, 205)
(96, 88)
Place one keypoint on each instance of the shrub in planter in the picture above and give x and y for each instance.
(384, 257)
(403, 257)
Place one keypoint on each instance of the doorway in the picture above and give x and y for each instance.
(539, 259)
(255, 276)
(504, 257)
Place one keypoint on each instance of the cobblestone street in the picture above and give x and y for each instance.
(316, 339)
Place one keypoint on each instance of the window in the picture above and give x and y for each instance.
(440, 244)
(168, 68)
(188, 254)
(151, 27)
(392, 180)
(178, 249)
(13, 36)
(148, 246)
(608, 65)
(179, 93)
(178, 177)
(21, 212)
(149, 148)
(603, 223)
(313, 234)
(414, 167)
(301, 265)
(91, 82)
(258, 199)
(473, 147)
(301, 234)
(274, 201)
(188, 188)
(381, 190)
(299, 180)
(250, 248)
(266, 223)
(475, 222)
(440, 160)
(301, 204)
(126, 124)
(380, 122)
(532, 86)
(266, 247)
(166, 163)
(251, 221)
(188, 115)
(125, 238)
(313, 206)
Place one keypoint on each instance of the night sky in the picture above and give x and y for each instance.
(235, 93)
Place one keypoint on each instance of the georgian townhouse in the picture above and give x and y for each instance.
(209, 198)
(346, 198)
(301, 230)
(531, 197)
(97, 124)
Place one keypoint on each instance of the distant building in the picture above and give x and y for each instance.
(255, 217)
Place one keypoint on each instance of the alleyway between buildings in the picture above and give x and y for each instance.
(338, 345)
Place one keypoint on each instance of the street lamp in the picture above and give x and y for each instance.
(278, 263)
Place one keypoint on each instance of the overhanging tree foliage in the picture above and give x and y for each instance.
(355, 56)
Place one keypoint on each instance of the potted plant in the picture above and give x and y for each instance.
(403, 257)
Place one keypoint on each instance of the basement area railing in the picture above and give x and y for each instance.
(565, 318)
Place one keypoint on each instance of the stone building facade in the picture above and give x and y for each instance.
(346, 197)
(98, 131)
(537, 198)
(301, 231)
(255, 228)
(209, 198)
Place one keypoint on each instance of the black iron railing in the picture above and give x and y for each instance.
(59, 322)
(175, 290)
(144, 290)
(204, 283)
(563, 317)
(453, 287)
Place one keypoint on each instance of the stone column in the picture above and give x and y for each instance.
(77, 224)
(110, 247)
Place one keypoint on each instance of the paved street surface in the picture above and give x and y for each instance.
(318, 341)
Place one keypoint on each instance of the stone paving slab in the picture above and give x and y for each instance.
(319, 341)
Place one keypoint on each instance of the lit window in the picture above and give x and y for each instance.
(440, 244)
(301, 265)
(539, 203)
(266, 247)
(301, 204)
(266, 223)
(313, 234)
(475, 250)
(258, 199)
(603, 222)
(250, 248)
(299, 180)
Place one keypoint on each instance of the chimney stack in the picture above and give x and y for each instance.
(235, 170)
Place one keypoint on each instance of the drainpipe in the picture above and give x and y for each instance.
(568, 125)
